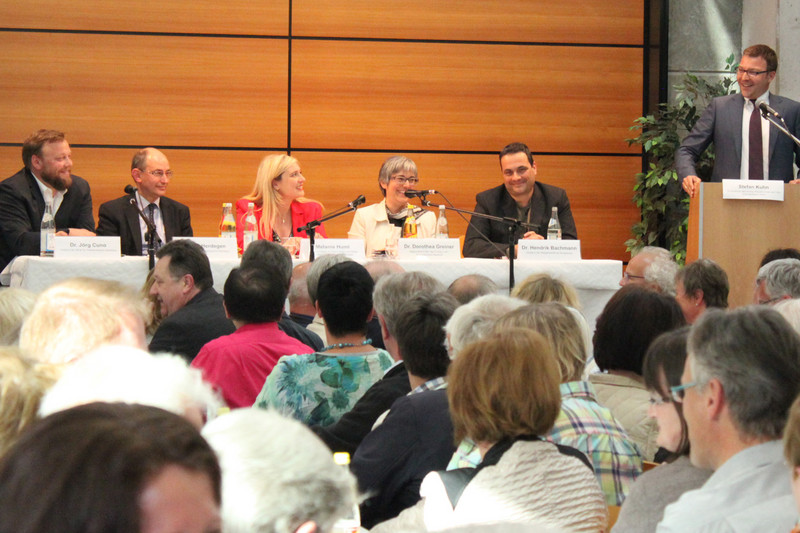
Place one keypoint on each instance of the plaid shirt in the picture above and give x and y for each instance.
(591, 428)
(431, 384)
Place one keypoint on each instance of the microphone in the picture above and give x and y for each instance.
(130, 189)
(766, 109)
(419, 194)
(357, 202)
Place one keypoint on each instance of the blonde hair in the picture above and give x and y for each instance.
(264, 195)
(505, 385)
(559, 326)
(23, 383)
(15, 305)
(541, 288)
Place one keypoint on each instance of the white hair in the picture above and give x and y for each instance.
(130, 375)
(781, 278)
(662, 269)
(276, 474)
(790, 310)
(471, 321)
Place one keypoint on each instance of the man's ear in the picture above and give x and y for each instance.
(714, 399)
(225, 307)
(188, 282)
(319, 311)
(384, 329)
(136, 174)
(307, 527)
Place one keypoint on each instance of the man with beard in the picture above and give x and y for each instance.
(45, 178)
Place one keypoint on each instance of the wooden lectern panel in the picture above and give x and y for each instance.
(737, 233)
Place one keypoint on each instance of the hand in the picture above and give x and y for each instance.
(532, 235)
(691, 184)
(78, 232)
(794, 182)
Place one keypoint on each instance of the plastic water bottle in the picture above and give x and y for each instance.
(352, 522)
(250, 227)
(442, 231)
(48, 232)
(554, 227)
(410, 225)
(227, 225)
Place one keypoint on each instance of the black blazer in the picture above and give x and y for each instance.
(119, 217)
(499, 203)
(22, 207)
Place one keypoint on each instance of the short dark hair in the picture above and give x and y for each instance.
(188, 257)
(764, 51)
(420, 333)
(707, 276)
(35, 141)
(779, 253)
(83, 469)
(263, 253)
(344, 295)
(515, 148)
(631, 319)
(666, 356)
(255, 295)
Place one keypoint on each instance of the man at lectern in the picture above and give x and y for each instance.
(520, 197)
(747, 146)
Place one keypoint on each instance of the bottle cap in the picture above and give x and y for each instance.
(341, 458)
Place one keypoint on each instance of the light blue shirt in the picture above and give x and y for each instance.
(751, 493)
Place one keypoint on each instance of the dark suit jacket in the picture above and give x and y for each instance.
(721, 123)
(22, 207)
(347, 433)
(499, 203)
(306, 336)
(416, 438)
(189, 328)
(119, 217)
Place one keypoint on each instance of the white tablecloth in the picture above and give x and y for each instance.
(595, 280)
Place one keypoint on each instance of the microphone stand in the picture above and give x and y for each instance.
(780, 125)
(151, 234)
(311, 227)
(512, 226)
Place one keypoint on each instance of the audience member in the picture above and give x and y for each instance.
(110, 467)
(276, 477)
(378, 269)
(75, 316)
(470, 286)
(655, 489)
(779, 253)
(631, 319)
(791, 450)
(153, 315)
(777, 280)
(653, 268)
(542, 288)
(238, 364)
(740, 379)
(129, 375)
(472, 321)
(503, 393)
(316, 270)
(192, 309)
(318, 388)
(301, 310)
(417, 435)
(15, 306)
(701, 285)
(23, 382)
(46, 178)
(151, 175)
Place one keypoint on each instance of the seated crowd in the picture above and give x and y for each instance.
(460, 407)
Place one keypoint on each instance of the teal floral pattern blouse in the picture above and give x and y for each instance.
(319, 388)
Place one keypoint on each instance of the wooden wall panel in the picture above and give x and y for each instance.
(138, 90)
(415, 96)
(574, 21)
(172, 16)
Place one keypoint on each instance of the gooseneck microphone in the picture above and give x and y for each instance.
(418, 194)
(130, 189)
(357, 202)
(766, 109)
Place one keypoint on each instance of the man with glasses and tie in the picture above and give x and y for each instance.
(151, 174)
(740, 378)
(746, 145)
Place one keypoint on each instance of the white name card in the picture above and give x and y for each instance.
(217, 247)
(352, 248)
(544, 250)
(428, 249)
(87, 247)
(752, 190)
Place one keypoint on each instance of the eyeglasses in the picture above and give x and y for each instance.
(771, 300)
(402, 180)
(659, 400)
(751, 73)
(160, 173)
(629, 277)
(679, 391)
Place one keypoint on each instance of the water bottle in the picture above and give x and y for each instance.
(250, 227)
(554, 227)
(351, 523)
(410, 225)
(48, 232)
(227, 225)
(442, 231)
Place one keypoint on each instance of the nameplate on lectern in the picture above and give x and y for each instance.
(752, 190)
(223, 248)
(86, 248)
(546, 250)
(352, 248)
(428, 249)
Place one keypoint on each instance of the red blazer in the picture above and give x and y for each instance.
(302, 214)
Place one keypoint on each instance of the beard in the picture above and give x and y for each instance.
(55, 180)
